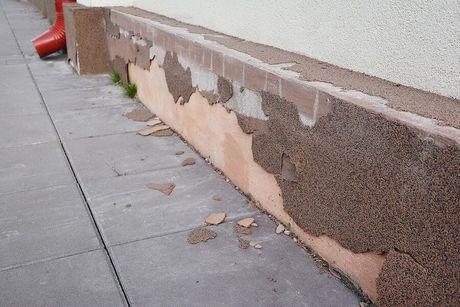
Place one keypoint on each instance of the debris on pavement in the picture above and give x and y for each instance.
(180, 152)
(215, 218)
(150, 130)
(247, 222)
(200, 235)
(252, 204)
(334, 273)
(240, 230)
(165, 188)
(153, 122)
(140, 115)
(287, 232)
(217, 198)
(254, 225)
(279, 228)
(258, 246)
(244, 244)
(188, 161)
(166, 132)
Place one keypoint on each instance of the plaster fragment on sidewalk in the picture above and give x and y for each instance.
(180, 152)
(140, 115)
(165, 188)
(188, 161)
(244, 244)
(279, 229)
(215, 218)
(200, 235)
(153, 122)
(258, 246)
(166, 132)
(247, 222)
(151, 130)
(240, 230)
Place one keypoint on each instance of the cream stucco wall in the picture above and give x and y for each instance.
(415, 43)
(106, 2)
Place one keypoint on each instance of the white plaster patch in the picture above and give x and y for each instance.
(306, 120)
(158, 53)
(124, 33)
(202, 79)
(246, 102)
(139, 41)
(332, 89)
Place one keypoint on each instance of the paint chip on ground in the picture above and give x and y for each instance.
(240, 230)
(200, 235)
(165, 188)
(215, 218)
(244, 244)
(279, 229)
(140, 115)
(166, 132)
(153, 122)
(247, 222)
(151, 130)
(188, 161)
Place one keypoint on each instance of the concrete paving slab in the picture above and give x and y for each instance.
(79, 99)
(15, 77)
(9, 50)
(54, 82)
(168, 271)
(40, 224)
(33, 167)
(96, 122)
(124, 154)
(19, 102)
(126, 210)
(25, 129)
(80, 280)
(55, 64)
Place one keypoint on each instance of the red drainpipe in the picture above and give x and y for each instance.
(53, 39)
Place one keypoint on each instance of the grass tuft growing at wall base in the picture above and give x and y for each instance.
(130, 90)
(115, 77)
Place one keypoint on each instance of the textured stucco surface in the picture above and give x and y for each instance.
(414, 43)
(356, 169)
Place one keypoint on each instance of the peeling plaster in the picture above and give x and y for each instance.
(246, 102)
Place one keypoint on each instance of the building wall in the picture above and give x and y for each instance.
(415, 43)
(106, 2)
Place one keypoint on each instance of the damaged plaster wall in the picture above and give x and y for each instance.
(372, 184)
(407, 42)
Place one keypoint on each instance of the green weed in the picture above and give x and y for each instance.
(130, 90)
(115, 76)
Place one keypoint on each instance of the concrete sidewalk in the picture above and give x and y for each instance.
(78, 227)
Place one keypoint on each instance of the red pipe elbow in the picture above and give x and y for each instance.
(53, 39)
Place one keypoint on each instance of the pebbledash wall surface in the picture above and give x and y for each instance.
(366, 171)
(415, 43)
